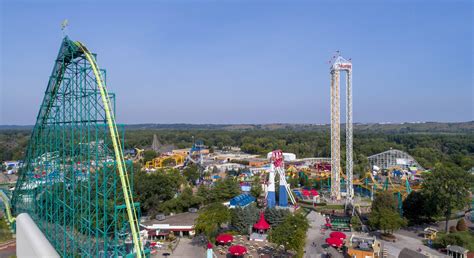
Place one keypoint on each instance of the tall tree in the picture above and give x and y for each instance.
(291, 233)
(256, 189)
(384, 214)
(211, 218)
(418, 208)
(243, 218)
(191, 173)
(447, 187)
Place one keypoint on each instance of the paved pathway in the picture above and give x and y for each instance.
(314, 234)
(394, 248)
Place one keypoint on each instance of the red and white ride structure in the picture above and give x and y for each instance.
(277, 167)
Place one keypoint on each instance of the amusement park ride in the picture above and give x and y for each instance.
(75, 182)
(277, 167)
(340, 64)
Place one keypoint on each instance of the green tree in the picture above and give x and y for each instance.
(149, 155)
(224, 190)
(152, 189)
(256, 189)
(356, 224)
(182, 203)
(205, 193)
(276, 216)
(461, 225)
(447, 187)
(384, 214)
(243, 218)
(211, 218)
(418, 208)
(191, 173)
(291, 233)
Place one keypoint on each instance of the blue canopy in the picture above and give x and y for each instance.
(242, 200)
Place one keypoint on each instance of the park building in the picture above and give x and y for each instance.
(162, 226)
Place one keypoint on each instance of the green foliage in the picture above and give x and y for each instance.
(256, 189)
(5, 233)
(418, 208)
(384, 214)
(447, 188)
(149, 155)
(243, 218)
(211, 218)
(276, 216)
(191, 173)
(224, 190)
(291, 233)
(182, 203)
(152, 189)
(452, 229)
(356, 224)
(464, 239)
(461, 225)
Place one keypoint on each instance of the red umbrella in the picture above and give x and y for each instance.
(224, 238)
(305, 192)
(337, 234)
(336, 242)
(237, 250)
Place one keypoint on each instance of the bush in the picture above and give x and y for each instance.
(452, 229)
(464, 239)
(461, 225)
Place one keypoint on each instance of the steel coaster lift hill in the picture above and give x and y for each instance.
(74, 182)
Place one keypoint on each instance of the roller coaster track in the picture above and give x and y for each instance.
(6, 203)
(37, 193)
(127, 192)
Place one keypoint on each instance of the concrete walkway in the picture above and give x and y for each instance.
(317, 237)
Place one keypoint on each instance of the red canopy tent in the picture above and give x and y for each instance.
(314, 192)
(237, 250)
(305, 192)
(336, 242)
(261, 224)
(224, 238)
(337, 234)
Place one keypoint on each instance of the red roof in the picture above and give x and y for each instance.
(337, 242)
(337, 234)
(224, 238)
(261, 224)
(237, 250)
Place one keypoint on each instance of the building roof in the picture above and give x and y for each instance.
(408, 253)
(261, 224)
(457, 249)
(242, 200)
(181, 219)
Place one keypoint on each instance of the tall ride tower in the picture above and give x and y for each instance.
(340, 64)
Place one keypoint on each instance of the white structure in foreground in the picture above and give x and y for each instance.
(30, 241)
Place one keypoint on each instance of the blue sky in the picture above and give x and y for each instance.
(248, 61)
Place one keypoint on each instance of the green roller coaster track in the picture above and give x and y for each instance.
(74, 181)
